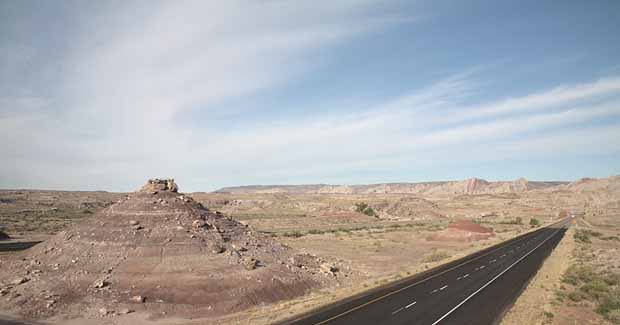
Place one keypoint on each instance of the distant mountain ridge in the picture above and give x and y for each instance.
(468, 186)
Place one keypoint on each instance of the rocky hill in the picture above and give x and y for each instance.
(469, 186)
(159, 252)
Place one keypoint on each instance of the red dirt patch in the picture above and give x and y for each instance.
(467, 225)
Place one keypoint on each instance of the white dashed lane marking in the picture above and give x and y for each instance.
(440, 289)
(401, 308)
(397, 310)
(411, 304)
(463, 276)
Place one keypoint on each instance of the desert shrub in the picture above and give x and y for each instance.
(560, 295)
(594, 233)
(582, 236)
(534, 222)
(434, 227)
(595, 289)
(364, 208)
(614, 316)
(435, 257)
(360, 207)
(516, 221)
(576, 274)
(576, 296)
(316, 231)
(612, 279)
(295, 234)
(609, 304)
(601, 288)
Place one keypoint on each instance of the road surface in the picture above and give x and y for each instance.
(16, 246)
(476, 289)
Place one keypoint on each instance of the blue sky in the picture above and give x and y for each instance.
(103, 95)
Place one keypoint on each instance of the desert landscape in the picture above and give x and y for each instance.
(309, 162)
(259, 255)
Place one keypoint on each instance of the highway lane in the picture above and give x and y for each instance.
(474, 290)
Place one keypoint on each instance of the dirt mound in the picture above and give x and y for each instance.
(4, 236)
(462, 231)
(157, 251)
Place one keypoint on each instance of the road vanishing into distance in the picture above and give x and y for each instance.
(477, 289)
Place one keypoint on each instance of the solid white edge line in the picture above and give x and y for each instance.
(495, 278)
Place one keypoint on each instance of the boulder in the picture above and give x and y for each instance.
(328, 269)
(100, 283)
(138, 299)
(249, 263)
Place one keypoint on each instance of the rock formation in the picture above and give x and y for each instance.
(156, 185)
(472, 186)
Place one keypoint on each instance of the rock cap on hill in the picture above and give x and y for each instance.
(160, 185)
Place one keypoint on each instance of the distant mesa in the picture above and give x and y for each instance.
(472, 186)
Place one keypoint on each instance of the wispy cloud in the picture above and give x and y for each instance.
(108, 118)
(410, 130)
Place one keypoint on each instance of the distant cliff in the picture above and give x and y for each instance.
(469, 186)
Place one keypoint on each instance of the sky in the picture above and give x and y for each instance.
(102, 95)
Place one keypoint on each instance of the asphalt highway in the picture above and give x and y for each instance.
(476, 289)
(16, 246)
